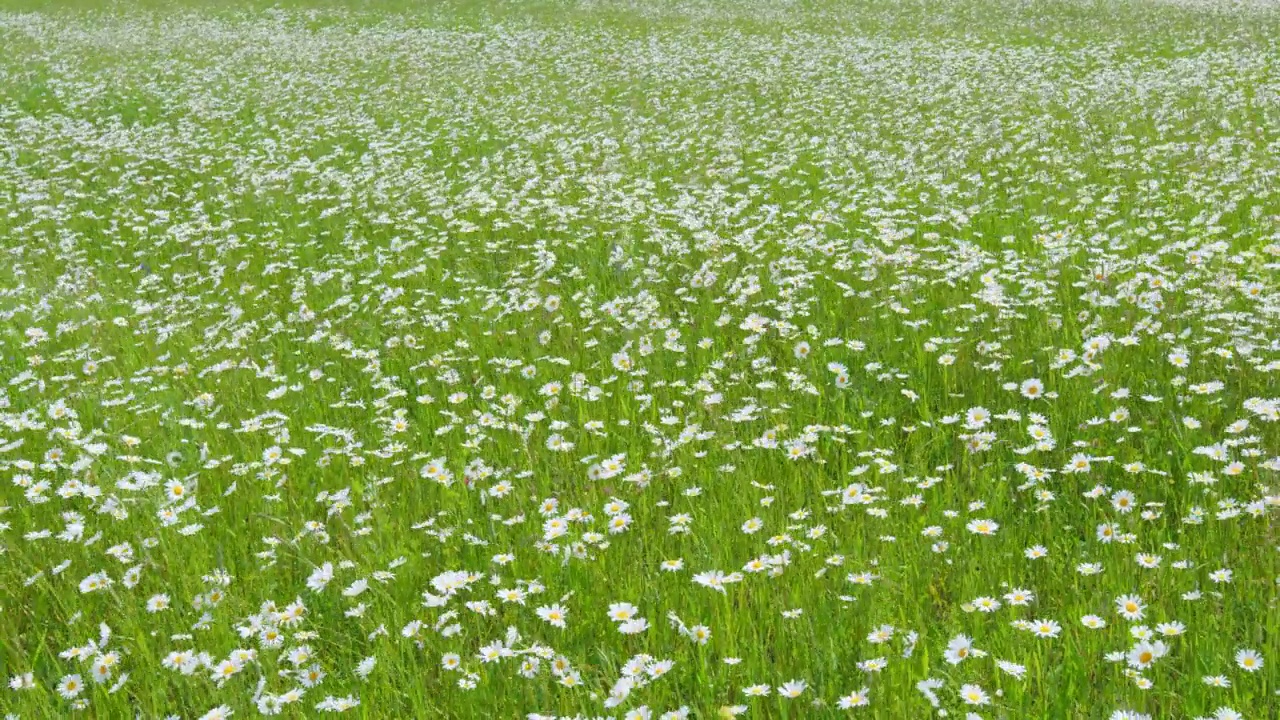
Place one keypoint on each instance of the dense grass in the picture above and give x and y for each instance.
(864, 275)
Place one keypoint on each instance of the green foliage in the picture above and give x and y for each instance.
(823, 328)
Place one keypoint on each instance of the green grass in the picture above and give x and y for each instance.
(237, 232)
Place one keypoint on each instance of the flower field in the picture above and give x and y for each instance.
(640, 360)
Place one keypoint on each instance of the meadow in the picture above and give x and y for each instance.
(640, 360)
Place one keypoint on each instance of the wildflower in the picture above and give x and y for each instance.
(974, 695)
(982, 527)
(792, 689)
(1249, 660)
(70, 686)
(553, 615)
(1130, 607)
(1145, 653)
(1046, 628)
(958, 649)
(857, 698)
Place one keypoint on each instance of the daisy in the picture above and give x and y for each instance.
(986, 604)
(70, 686)
(1130, 607)
(974, 695)
(553, 615)
(622, 612)
(1148, 560)
(1145, 653)
(958, 649)
(1046, 628)
(792, 689)
(1249, 660)
(634, 626)
(873, 665)
(857, 698)
(982, 527)
(1018, 596)
(1123, 501)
